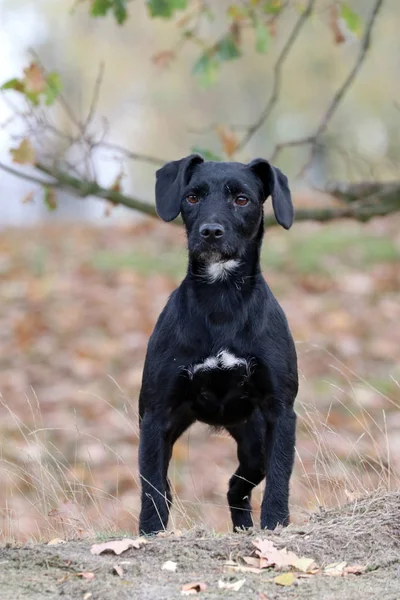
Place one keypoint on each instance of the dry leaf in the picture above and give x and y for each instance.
(270, 555)
(335, 569)
(285, 579)
(252, 561)
(170, 565)
(117, 546)
(335, 24)
(228, 140)
(87, 596)
(56, 541)
(35, 79)
(193, 588)
(355, 570)
(88, 576)
(24, 154)
(234, 586)
(262, 596)
(119, 570)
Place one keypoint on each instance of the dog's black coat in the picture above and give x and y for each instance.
(223, 311)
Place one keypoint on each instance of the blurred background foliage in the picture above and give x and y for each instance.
(83, 285)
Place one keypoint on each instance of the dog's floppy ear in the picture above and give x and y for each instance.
(170, 181)
(275, 184)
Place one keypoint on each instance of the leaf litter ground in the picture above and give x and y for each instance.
(365, 533)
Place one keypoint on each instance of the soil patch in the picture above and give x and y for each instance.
(366, 532)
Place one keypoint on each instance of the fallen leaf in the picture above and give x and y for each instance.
(193, 588)
(88, 576)
(24, 154)
(262, 596)
(170, 565)
(56, 541)
(87, 596)
(117, 546)
(252, 561)
(234, 585)
(119, 570)
(355, 570)
(35, 80)
(235, 568)
(270, 555)
(304, 564)
(285, 579)
(63, 578)
(335, 569)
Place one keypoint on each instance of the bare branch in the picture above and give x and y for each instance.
(95, 97)
(338, 97)
(277, 82)
(27, 177)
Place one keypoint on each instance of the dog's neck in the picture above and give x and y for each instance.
(239, 271)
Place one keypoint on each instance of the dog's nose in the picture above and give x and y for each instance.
(212, 231)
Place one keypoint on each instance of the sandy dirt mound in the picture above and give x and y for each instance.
(366, 533)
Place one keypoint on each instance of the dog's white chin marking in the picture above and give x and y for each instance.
(223, 360)
(219, 270)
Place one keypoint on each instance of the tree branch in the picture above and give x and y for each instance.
(276, 86)
(363, 201)
(340, 93)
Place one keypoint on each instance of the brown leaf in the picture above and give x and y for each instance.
(281, 558)
(252, 561)
(117, 546)
(334, 24)
(193, 588)
(86, 575)
(35, 79)
(355, 570)
(119, 570)
(228, 140)
(24, 154)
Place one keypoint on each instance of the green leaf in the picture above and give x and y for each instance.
(228, 48)
(273, 7)
(205, 153)
(262, 37)
(50, 198)
(352, 20)
(100, 7)
(120, 11)
(206, 68)
(165, 8)
(14, 84)
(53, 88)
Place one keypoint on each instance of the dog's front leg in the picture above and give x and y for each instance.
(280, 449)
(154, 510)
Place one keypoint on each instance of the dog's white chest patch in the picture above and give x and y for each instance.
(218, 271)
(223, 360)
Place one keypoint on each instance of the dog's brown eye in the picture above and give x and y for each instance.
(241, 201)
(192, 199)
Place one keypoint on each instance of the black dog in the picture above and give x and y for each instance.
(221, 351)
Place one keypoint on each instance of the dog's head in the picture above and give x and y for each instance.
(221, 203)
